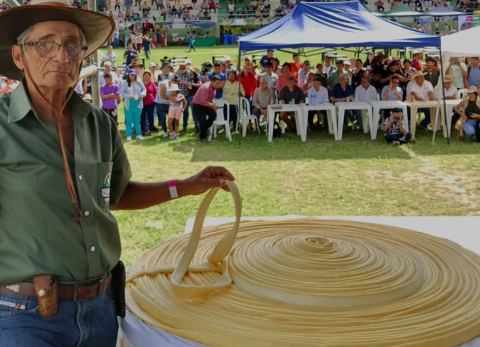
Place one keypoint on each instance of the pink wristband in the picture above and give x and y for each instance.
(172, 187)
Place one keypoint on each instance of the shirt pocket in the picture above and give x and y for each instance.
(104, 179)
(14, 305)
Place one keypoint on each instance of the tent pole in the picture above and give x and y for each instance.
(239, 89)
(443, 101)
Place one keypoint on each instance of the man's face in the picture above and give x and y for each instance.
(317, 84)
(166, 69)
(306, 66)
(296, 58)
(263, 83)
(217, 69)
(290, 83)
(217, 84)
(268, 69)
(108, 80)
(419, 80)
(342, 80)
(429, 65)
(55, 69)
(328, 61)
(108, 68)
(365, 82)
(340, 67)
(475, 61)
(129, 47)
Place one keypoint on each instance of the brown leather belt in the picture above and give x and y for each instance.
(75, 291)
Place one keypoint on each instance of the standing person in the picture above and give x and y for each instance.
(231, 93)
(147, 45)
(166, 73)
(175, 111)
(458, 71)
(204, 109)
(303, 74)
(431, 72)
(130, 54)
(127, 38)
(162, 103)
(60, 248)
(269, 75)
(473, 72)
(217, 72)
(295, 65)
(248, 79)
(184, 77)
(110, 94)
(147, 117)
(191, 43)
(133, 92)
(328, 68)
(417, 63)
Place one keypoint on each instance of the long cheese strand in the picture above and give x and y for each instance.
(308, 282)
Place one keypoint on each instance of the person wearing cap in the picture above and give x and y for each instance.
(469, 110)
(152, 67)
(266, 58)
(133, 91)
(420, 90)
(184, 78)
(63, 168)
(394, 130)
(110, 94)
(204, 109)
(175, 111)
(449, 90)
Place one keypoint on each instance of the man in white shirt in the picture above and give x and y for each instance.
(420, 90)
(451, 93)
(270, 76)
(365, 92)
(317, 95)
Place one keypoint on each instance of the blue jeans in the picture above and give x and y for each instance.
(77, 323)
(469, 129)
(162, 111)
(147, 118)
(132, 118)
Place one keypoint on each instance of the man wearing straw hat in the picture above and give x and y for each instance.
(62, 168)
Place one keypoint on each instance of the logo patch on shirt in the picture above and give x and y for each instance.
(105, 189)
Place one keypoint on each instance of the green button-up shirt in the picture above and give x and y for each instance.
(38, 234)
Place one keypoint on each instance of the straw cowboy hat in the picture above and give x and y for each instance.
(447, 78)
(418, 74)
(472, 89)
(96, 27)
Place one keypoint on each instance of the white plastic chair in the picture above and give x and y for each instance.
(221, 119)
(245, 115)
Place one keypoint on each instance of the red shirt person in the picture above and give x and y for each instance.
(248, 78)
(147, 118)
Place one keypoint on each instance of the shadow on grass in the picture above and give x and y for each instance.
(319, 146)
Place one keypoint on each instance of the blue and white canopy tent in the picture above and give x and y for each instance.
(343, 24)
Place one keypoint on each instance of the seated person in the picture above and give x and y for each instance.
(262, 97)
(342, 92)
(290, 94)
(365, 92)
(450, 93)
(394, 130)
(317, 95)
(469, 109)
(420, 90)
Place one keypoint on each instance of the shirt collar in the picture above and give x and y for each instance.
(20, 104)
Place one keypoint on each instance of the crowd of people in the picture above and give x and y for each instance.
(177, 93)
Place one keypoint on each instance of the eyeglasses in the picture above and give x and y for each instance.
(49, 49)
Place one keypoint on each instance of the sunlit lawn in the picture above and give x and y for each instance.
(355, 176)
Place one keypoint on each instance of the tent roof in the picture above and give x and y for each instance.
(402, 11)
(462, 43)
(334, 24)
(443, 11)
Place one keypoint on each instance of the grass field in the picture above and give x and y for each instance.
(356, 176)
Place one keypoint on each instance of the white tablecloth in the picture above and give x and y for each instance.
(462, 230)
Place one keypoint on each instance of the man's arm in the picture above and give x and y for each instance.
(140, 195)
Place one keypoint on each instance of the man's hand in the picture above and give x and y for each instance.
(210, 177)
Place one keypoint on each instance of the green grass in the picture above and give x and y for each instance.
(355, 176)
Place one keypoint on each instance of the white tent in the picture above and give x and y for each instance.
(462, 44)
